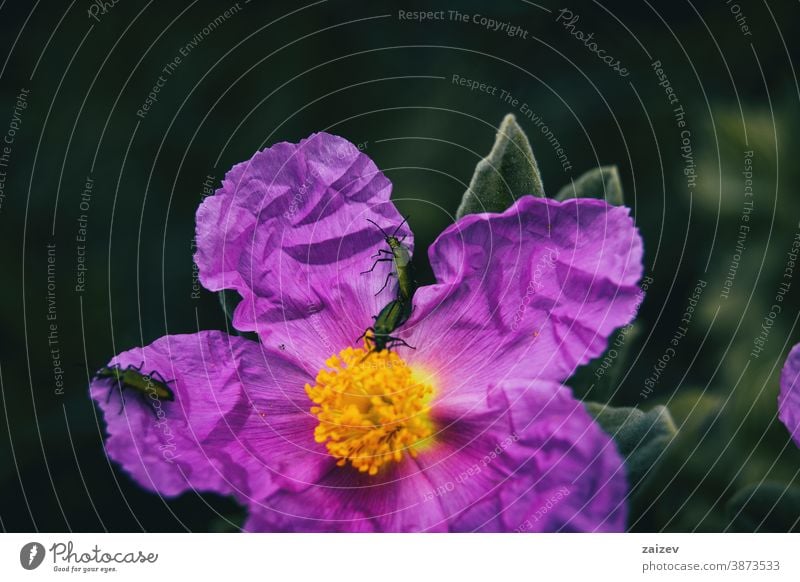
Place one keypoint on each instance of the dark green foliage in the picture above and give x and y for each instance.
(765, 507)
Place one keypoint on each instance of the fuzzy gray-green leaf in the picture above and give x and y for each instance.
(508, 172)
(641, 437)
(602, 183)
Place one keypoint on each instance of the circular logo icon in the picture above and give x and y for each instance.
(31, 555)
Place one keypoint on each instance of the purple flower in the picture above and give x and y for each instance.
(471, 431)
(789, 397)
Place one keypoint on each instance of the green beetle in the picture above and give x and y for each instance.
(132, 378)
(400, 256)
(392, 316)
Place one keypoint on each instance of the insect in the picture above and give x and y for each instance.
(131, 378)
(392, 316)
(399, 255)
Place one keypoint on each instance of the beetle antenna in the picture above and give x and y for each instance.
(383, 232)
(399, 226)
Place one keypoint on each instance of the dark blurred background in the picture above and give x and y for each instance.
(274, 71)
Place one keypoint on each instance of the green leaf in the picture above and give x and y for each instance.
(641, 437)
(602, 183)
(599, 379)
(765, 507)
(228, 523)
(508, 172)
(228, 300)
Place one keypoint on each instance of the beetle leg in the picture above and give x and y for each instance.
(375, 264)
(385, 283)
(372, 329)
(380, 252)
(396, 341)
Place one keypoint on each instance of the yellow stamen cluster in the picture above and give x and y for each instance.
(371, 409)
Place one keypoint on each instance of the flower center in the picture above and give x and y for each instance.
(371, 408)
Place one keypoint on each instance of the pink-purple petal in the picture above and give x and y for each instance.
(527, 458)
(289, 231)
(789, 397)
(344, 500)
(280, 429)
(534, 292)
(192, 442)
